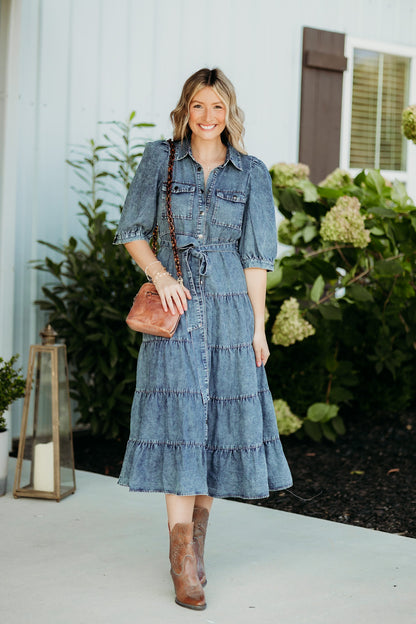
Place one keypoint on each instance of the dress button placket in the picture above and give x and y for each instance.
(201, 207)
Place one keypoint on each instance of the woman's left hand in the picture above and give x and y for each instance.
(261, 348)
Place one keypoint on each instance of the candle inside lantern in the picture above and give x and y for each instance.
(43, 475)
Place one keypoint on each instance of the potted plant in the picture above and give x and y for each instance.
(12, 387)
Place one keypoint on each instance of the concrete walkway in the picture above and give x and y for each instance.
(100, 556)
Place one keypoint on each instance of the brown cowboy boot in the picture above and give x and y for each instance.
(188, 588)
(200, 519)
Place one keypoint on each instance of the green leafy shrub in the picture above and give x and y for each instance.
(12, 386)
(94, 283)
(351, 272)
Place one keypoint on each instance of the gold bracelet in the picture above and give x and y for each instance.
(149, 265)
(159, 274)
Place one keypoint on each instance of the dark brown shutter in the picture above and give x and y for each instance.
(323, 64)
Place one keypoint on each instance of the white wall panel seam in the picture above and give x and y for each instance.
(35, 214)
(68, 117)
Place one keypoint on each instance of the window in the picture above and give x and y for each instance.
(380, 89)
(377, 87)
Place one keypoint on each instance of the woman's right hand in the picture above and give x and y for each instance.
(172, 294)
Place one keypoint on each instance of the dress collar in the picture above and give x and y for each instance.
(184, 149)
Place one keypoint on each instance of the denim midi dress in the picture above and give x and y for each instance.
(202, 418)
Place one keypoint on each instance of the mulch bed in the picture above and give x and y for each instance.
(365, 479)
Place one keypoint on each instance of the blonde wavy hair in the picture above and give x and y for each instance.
(217, 80)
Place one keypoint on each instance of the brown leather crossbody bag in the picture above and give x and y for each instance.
(146, 314)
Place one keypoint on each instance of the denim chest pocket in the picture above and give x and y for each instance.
(229, 209)
(182, 200)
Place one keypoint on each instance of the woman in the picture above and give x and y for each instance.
(202, 422)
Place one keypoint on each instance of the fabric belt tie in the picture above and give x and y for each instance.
(194, 314)
(199, 254)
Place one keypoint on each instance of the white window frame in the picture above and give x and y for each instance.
(408, 176)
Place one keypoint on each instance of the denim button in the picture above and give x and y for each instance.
(200, 236)
(201, 190)
(202, 212)
(199, 168)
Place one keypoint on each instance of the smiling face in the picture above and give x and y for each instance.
(207, 114)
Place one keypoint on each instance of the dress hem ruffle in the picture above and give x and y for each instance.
(151, 466)
(209, 493)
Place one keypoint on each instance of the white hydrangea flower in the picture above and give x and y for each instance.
(287, 422)
(345, 224)
(337, 179)
(286, 174)
(409, 123)
(289, 326)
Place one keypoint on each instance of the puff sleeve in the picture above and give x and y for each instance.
(258, 242)
(139, 214)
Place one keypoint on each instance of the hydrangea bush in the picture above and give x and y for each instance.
(341, 303)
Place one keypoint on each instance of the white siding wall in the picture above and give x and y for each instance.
(80, 61)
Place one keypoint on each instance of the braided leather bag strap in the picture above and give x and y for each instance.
(170, 215)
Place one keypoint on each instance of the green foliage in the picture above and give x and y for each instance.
(356, 290)
(94, 283)
(12, 386)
